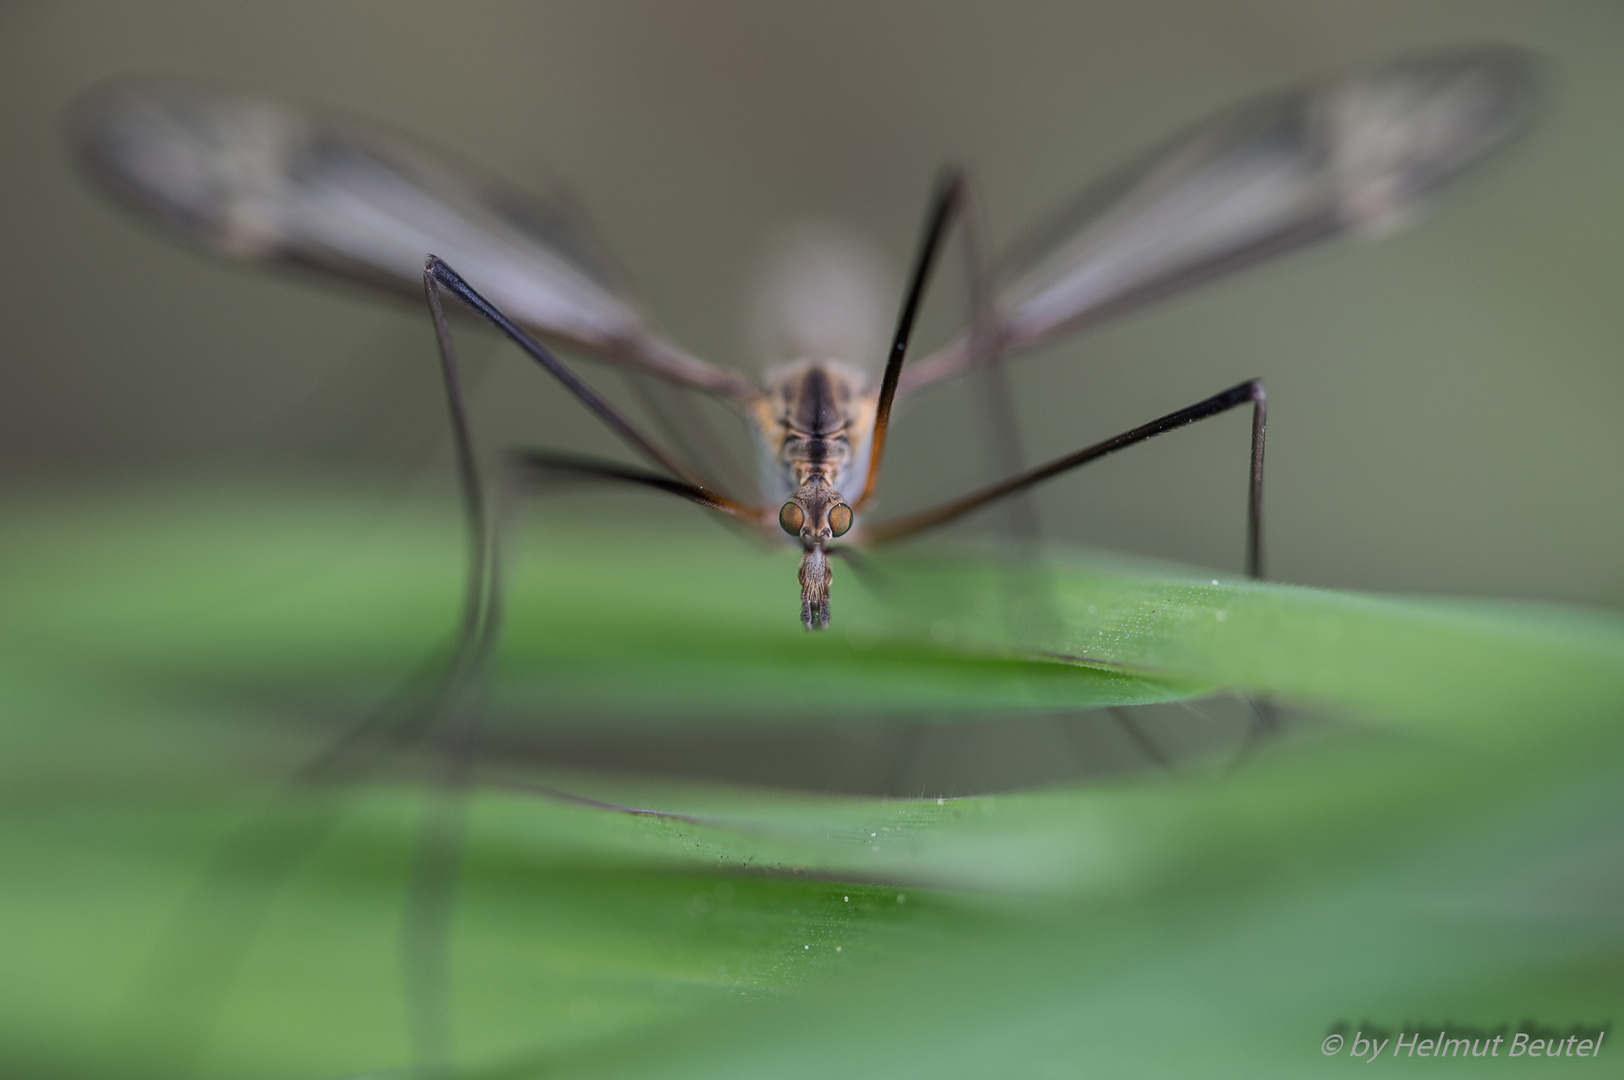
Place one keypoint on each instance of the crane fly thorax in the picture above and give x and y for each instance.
(814, 419)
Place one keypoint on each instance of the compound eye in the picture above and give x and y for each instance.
(839, 519)
(791, 518)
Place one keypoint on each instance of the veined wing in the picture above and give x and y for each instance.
(265, 181)
(1356, 153)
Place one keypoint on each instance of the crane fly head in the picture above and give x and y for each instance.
(815, 515)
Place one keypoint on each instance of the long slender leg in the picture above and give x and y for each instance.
(437, 274)
(454, 738)
(458, 715)
(1249, 391)
(1263, 723)
(473, 489)
(1029, 602)
(685, 427)
(954, 196)
(996, 400)
(1141, 741)
(201, 955)
(943, 206)
(457, 748)
(434, 879)
(198, 955)
(539, 463)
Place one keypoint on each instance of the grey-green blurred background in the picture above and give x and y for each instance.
(1444, 403)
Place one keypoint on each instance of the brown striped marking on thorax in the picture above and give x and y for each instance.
(815, 417)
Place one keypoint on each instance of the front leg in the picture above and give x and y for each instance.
(1249, 391)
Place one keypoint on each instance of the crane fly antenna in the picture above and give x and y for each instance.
(1249, 391)
(945, 203)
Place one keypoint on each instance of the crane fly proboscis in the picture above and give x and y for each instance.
(260, 180)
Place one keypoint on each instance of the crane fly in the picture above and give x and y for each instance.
(260, 180)
(257, 179)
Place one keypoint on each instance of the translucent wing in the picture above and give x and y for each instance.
(264, 181)
(821, 290)
(1357, 153)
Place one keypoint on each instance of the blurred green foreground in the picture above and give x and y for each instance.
(1443, 853)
